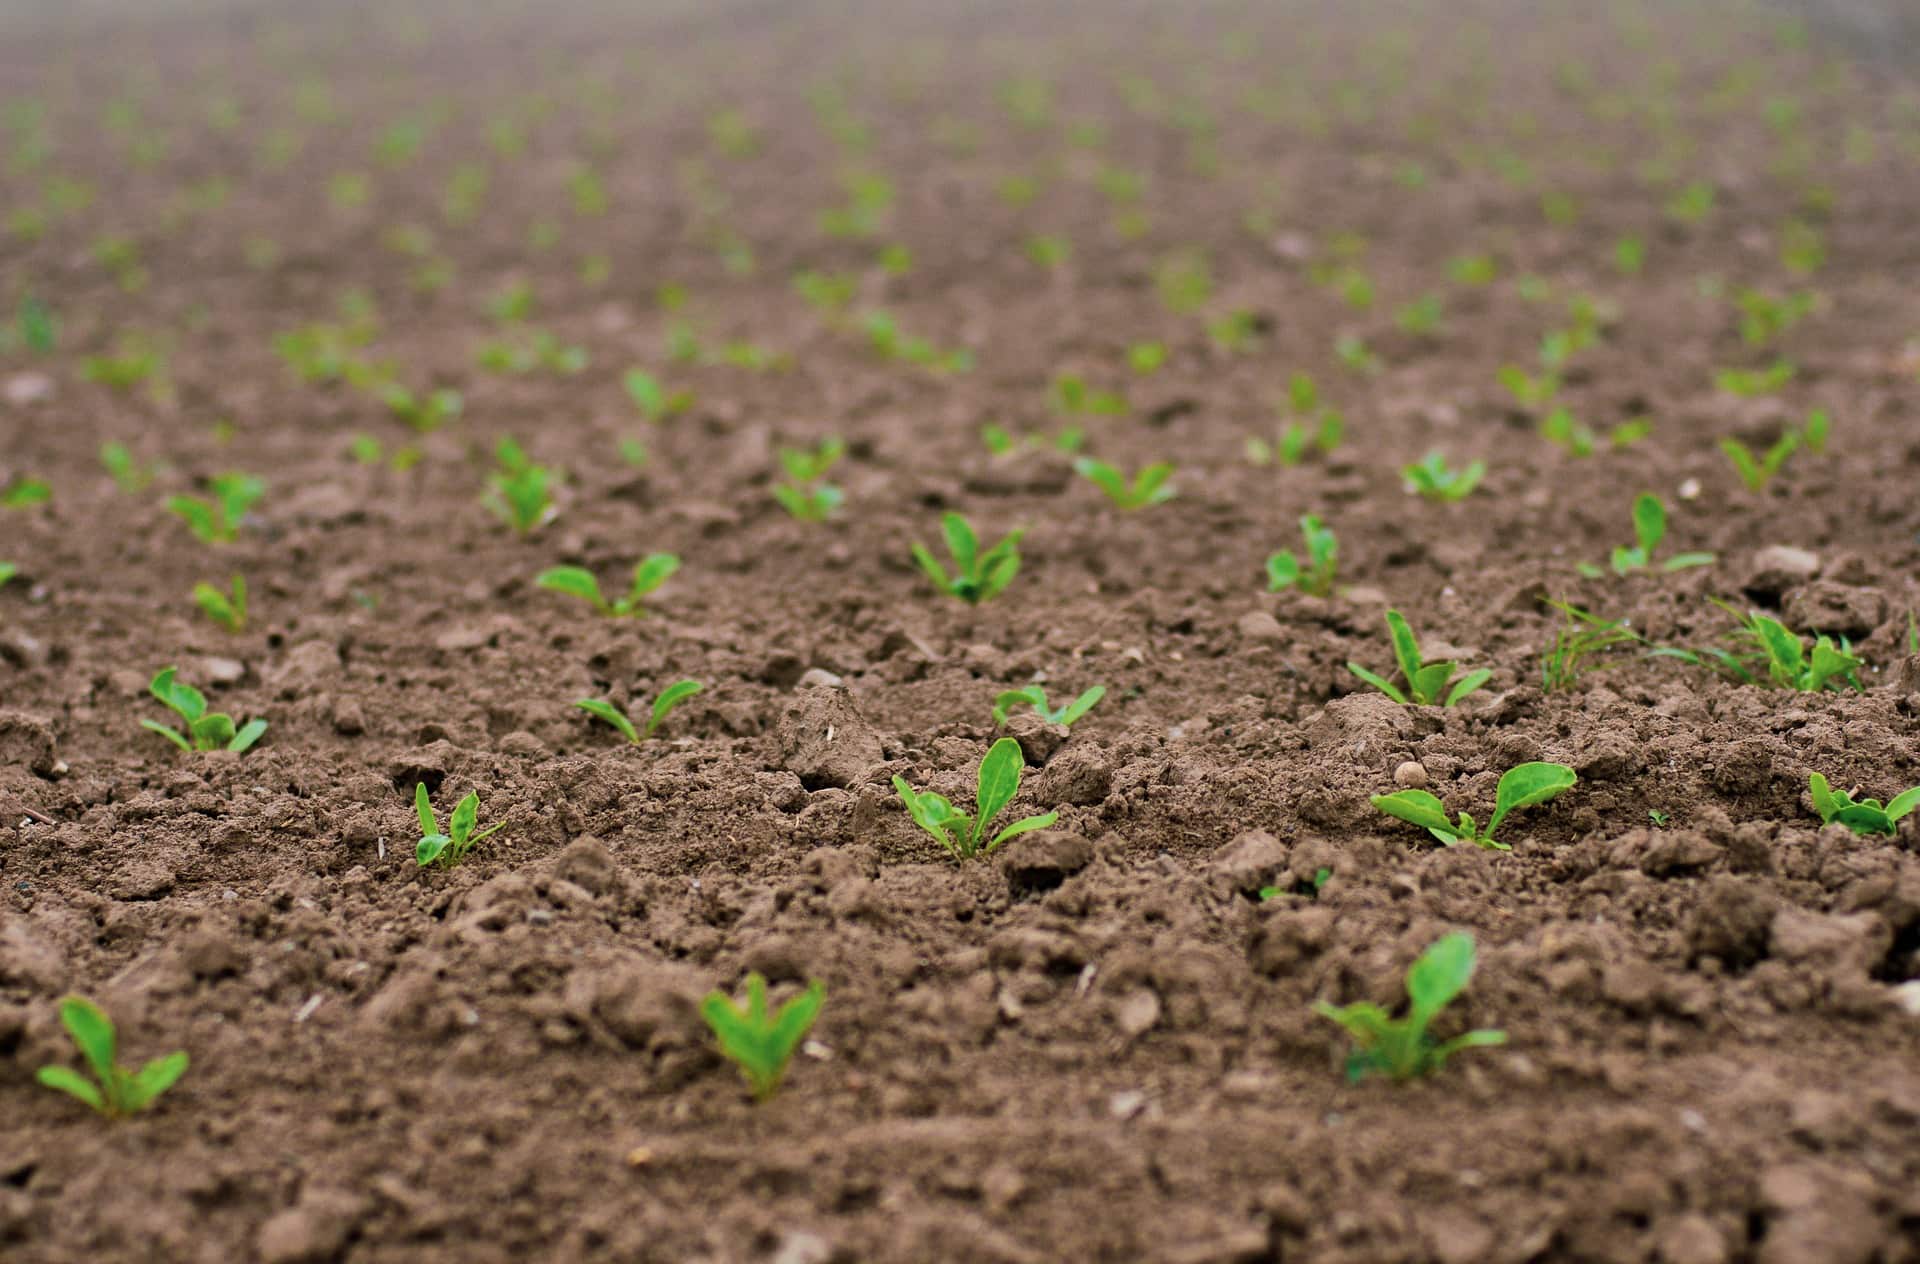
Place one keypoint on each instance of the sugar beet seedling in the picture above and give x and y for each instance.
(216, 518)
(1284, 570)
(451, 847)
(1649, 529)
(1862, 816)
(977, 576)
(1435, 480)
(114, 1091)
(1036, 697)
(1520, 786)
(1402, 1048)
(966, 836)
(1425, 681)
(1772, 646)
(229, 608)
(670, 697)
(205, 730)
(649, 574)
(758, 1041)
(1148, 487)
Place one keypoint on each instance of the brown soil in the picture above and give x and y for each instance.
(1097, 1045)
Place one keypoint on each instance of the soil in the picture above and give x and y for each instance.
(1097, 1044)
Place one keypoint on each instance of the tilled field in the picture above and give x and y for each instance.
(348, 249)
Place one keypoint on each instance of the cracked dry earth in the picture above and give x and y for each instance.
(1098, 1043)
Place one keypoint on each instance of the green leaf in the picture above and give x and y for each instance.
(1417, 807)
(1425, 685)
(654, 570)
(1903, 804)
(611, 714)
(70, 1081)
(1006, 700)
(1525, 785)
(574, 581)
(1378, 682)
(1283, 571)
(430, 849)
(423, 808)
(1441, 973)
(669, 698)
(1003, 566)
(934, 571)
(153, 1079)
(962, 544)
(1081, 705)
(1825, 804)
(999, 783)
(1686, 561)
(240, 743)
(1649, 523)
(1026, 825)
(92, 1033)
(466, 815)
(1438, 1056)
(1467, 684)
(212, 732)
(1866, 818)
(1744, 464)
(1406, 651)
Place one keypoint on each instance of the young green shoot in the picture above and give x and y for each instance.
(1035, 696)
(1581, 640)
(229, 608)
(114, 1091)
(670, 697)
(1649, 529)
(520, 492)
(1315, 576)
(451, 847)
(24, 492)
(1402, 1048)
(1748, 383)
(1767, 652)
(758, 1041)
(1426, 682)
(649, 574)
(977, 576)
(1431, 477)
(967, 836)
(206, 730)
(1862, 816)
(216, 518)
(805, 493)
(7, 571)
(128, 474)
(1148, 487)
(1757, 470)
(1520, 786)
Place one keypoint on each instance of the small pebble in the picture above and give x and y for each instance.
(1410, 776)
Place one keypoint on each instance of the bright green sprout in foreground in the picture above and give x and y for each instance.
(1315, 577)
(520, 492)
(1757, 470)
(1767, 652)
(1521, 786)
(652, 571)
(964, 836)
(1036, 697)
(1431, 477)
(977, 576)
(1401, 1048)
(228, 609)
(806, 494)
(1649, 528)
(1306, 888)
(22, 492)
(114, 1091)
(1863, 816)
(205, 730)
(449, 848)
(761, 1043)
(670, 697)
(216, 517)
(1426, 682)
(1148, 487)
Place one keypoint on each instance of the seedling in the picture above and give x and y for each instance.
(1148, 487)
(37, 330)
(1748, 383)
(23, 492)
(649, 574)
(1763, 642)
(1659, 819)
(1284, 570)
(114, 1091)
(519, 491)
(1757, 471)
(1356, 355)
(1306, 888)
(1581, 639)
(977, 576)
(216, 518)
(1764, 318)
(1521, 786)
(963, 836)
(1315, 429)
(205, 730)
(654, 401)
(806, 494)
(1431, 477)
(1423, 317)
(133, 362)
(7, 571)
(1145, 358)
(424, 414)
(127, 473)
(1561, 428)
(451, 847)
(1402, 1048)
(1425, 681)
(1865, 816)
(1649, 528)
(1036, 697)
(1071, 396)
(760, 1043)
(670, 697)
(228, 609)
